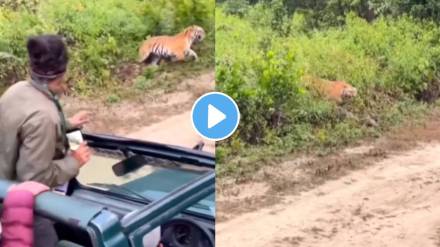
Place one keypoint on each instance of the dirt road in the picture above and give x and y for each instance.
(392, 201)
(176, 130)
(164, 119)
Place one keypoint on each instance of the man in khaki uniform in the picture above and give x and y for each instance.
(33, 142)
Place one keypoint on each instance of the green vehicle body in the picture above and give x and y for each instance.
(171, 194)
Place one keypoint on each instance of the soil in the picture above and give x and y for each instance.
(153, 118)
(383, 192)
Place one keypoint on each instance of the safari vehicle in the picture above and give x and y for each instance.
(131, 189)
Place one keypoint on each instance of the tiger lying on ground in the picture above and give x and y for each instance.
(171, 48)
(337, 91)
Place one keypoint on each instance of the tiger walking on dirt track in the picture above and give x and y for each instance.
(171, 48)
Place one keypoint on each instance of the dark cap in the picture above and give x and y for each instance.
(47, 55)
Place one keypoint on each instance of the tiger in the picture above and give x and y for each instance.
(171, 48)
(337, 91)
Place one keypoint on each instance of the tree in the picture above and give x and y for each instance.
(321, 13)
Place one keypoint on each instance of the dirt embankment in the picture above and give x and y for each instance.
(165, 118)
(381, 193)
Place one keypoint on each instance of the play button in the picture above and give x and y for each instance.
(215, 116)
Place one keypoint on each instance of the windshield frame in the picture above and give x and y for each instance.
(183, 155)
(152, 149)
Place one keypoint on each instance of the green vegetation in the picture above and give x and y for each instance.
(103, 37)
(324, 13)
(263, 52)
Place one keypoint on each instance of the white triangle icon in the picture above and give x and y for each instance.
(215, 116)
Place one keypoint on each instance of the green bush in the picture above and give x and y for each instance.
(101, 34)
(30, 5)
(264, 69)
(325, 13)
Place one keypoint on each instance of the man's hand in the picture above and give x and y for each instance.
(79, 119)
(82, 154)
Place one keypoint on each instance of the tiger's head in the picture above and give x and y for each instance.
(348, 91)
(195, 33)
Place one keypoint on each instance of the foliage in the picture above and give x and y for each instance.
(238, 7)
(429, 9)
(324, 13)
(102, 35)
(265, 69)
(20, 4)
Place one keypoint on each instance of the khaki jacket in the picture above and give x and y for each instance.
(32, 139)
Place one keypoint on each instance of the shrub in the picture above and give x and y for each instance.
(101, 35)
(261, 66)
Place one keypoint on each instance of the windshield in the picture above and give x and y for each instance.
(151, 180)
(99, 171)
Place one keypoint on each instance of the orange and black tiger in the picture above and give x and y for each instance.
(171, 48)
(337, 91)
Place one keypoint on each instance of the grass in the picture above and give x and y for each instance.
(390, 61)
(103, 36)
(241, 161)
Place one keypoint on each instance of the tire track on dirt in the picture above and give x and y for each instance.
(383, 192)
(392, 203)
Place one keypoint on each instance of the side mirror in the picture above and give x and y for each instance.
(199, 146)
